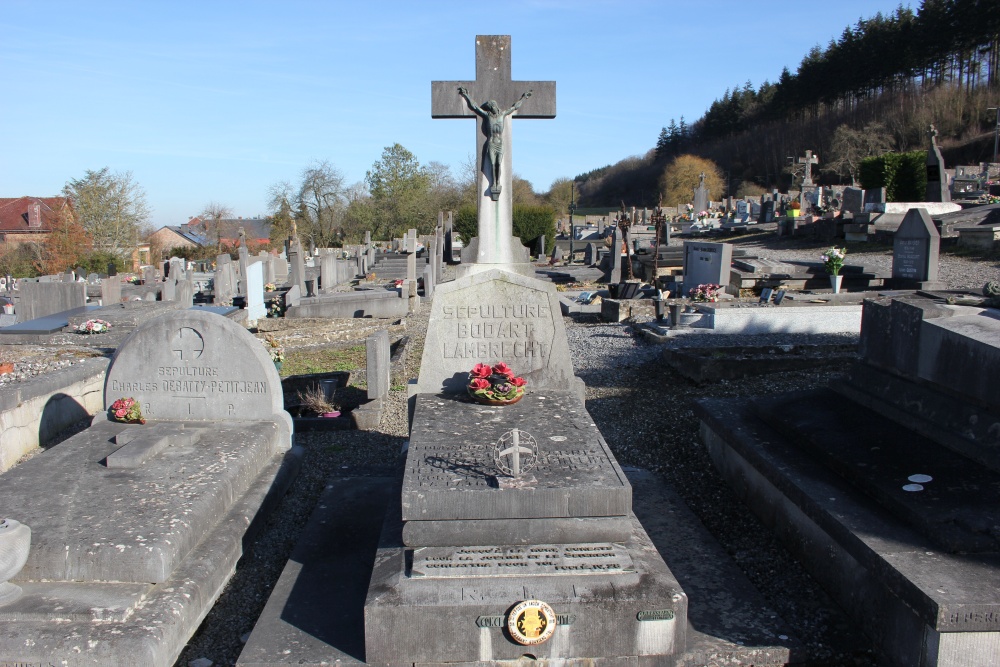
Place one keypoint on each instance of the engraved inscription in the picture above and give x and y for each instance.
(502, 561)
(656, 615)
(497, 331)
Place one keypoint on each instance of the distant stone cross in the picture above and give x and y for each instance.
(188, 344)
(701, 182)
(809, 160)
(493, 84)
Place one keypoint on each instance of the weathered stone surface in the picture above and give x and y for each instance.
(490, 317)
(104, 524)
(410, 619)
(42, 299)
(190, 365)
(450, 472)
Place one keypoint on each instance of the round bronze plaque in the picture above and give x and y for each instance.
(531, 622)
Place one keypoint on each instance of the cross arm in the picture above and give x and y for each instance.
(447, 103)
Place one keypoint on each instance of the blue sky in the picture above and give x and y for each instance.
(216, 101)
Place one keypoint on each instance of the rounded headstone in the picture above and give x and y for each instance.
(191, 365)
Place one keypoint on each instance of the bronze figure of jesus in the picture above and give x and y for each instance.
(493, 119)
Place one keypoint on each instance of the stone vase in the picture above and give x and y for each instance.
(835, 281)
(15, 540)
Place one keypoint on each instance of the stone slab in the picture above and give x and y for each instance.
(102, 524)
(126, 314)
(729, 621)
(919, 604)
(156, 628)
(961, 425)
(786, 319)
(48, 324)
(371, 303)
(878, 456)
(138, 445)
(38, 299)
(494, 316)
(450, 473)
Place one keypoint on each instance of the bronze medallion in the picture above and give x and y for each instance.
(531, 622)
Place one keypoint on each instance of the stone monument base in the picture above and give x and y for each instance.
(413, 615)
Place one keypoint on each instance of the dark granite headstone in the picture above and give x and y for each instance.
(915, 249)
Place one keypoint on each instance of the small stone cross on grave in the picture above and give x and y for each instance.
(495, 98)
(809, 160)
(512, 457)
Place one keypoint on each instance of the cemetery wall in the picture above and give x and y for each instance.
(33, 412)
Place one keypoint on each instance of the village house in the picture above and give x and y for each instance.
(29, 219)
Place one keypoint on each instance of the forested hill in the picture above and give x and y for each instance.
(876, 88)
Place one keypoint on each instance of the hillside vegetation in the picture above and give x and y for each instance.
(875, 89)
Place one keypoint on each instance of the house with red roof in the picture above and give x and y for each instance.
(30, 219)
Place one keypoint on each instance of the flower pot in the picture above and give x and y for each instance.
(330, 415)
(487, 401)
(277, 366)
(835, 281)
(15, 541)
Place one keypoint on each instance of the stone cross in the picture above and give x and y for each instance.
(493, 82)
(514, 452)
(809, 160)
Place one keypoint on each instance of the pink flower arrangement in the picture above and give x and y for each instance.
(127, 410)
(495, 383)
(707, 292)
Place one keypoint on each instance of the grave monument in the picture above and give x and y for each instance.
(887, 484)
(514, 533)
(136, 528)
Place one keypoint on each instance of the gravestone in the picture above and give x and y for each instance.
(706, 263)
(296, 265)
(111, 291)
(481, 498)
(615, 258)
(807, 162)
(875, 200)
(255, 292)
(149, 520)
(540, 247)
(328, 271)
(766, 211)
(223, 284)
(378, 357)
(148, 276)
(937, 180)
(701, 196)
(185, 292)
(428, 281)
(915, 251)
(589, 254)
(853, 200)
(742, 211)
(44, 299)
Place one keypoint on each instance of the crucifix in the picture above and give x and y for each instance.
(494, 98)
(809, 160)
